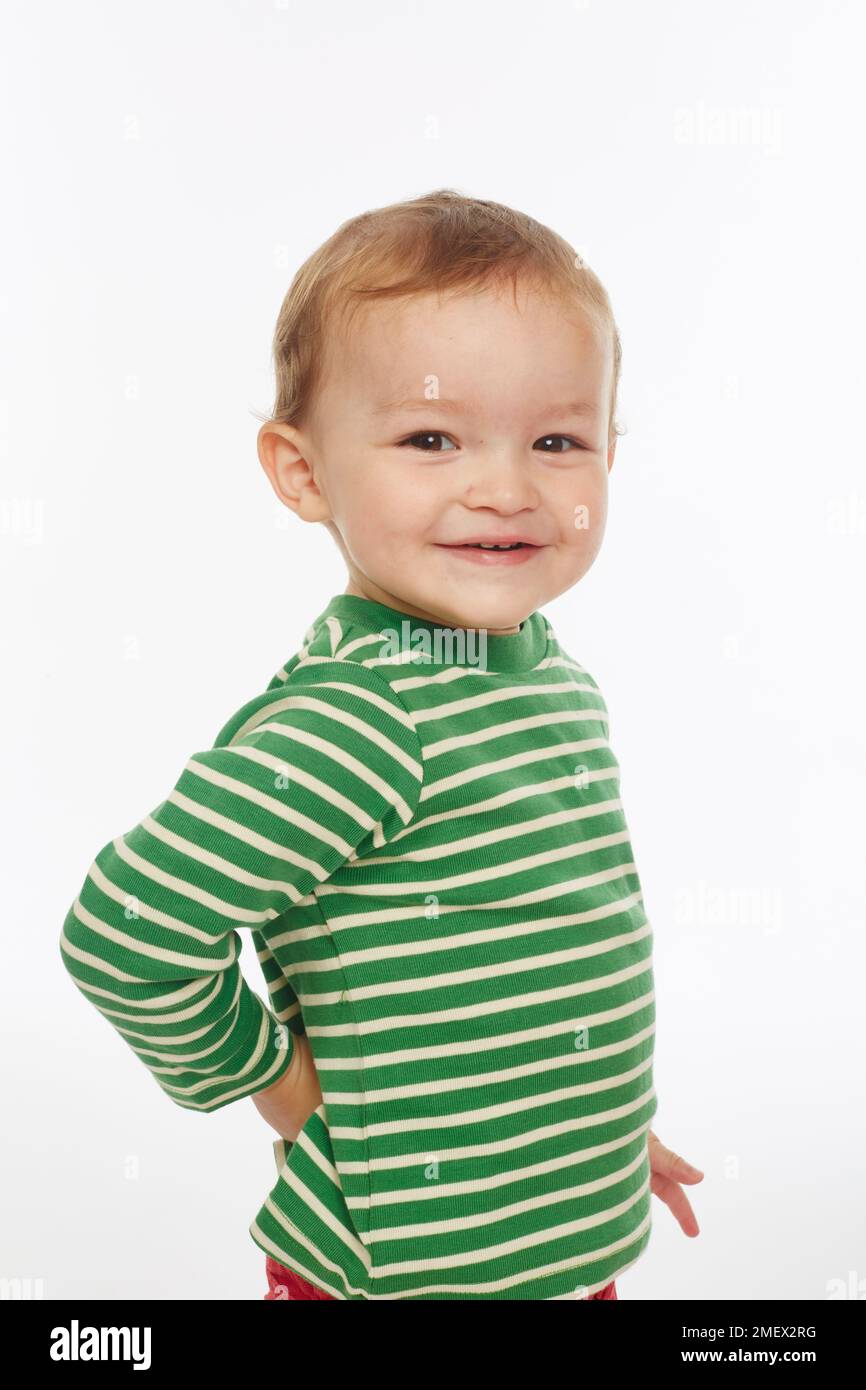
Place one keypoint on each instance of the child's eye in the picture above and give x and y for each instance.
(567, 437)
(425, 435)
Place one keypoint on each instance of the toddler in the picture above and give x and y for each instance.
(419, 819)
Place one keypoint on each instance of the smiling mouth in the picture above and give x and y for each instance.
(493, 556)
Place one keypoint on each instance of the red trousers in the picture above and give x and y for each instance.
(286, 1284)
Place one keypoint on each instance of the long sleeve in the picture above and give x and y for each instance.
(327, 764)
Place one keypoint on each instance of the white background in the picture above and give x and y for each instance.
(165, 170)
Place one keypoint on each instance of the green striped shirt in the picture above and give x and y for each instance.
(424, 835)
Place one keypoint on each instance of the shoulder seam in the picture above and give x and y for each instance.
(325, 660)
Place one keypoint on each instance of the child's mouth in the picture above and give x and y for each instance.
(514, 554)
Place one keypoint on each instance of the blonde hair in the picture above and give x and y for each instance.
(442, 240)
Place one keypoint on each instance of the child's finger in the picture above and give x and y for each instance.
(673, 1196)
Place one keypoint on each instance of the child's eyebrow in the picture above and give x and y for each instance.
(441, 403)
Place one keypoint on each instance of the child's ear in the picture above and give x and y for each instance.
(281, 450)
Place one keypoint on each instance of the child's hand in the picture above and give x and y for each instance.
(289, 1103)
(668, 1171)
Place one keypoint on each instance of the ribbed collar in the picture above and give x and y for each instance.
(446, 646)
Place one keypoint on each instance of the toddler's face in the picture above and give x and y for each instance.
(446, 420)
